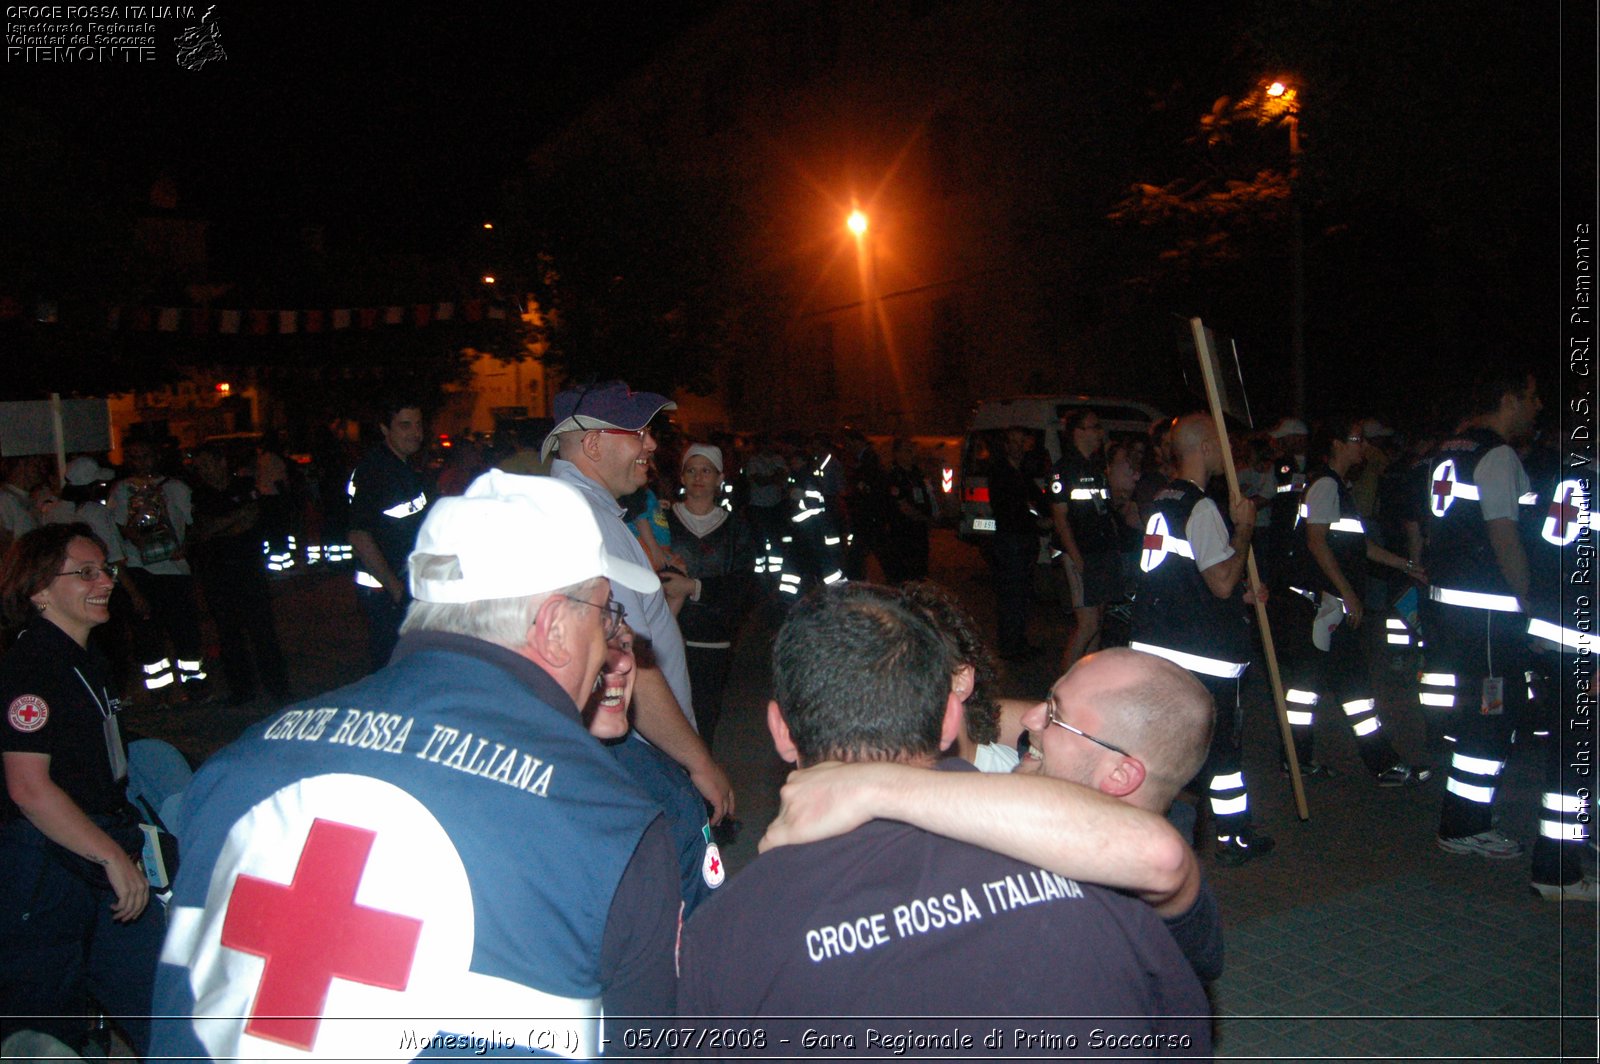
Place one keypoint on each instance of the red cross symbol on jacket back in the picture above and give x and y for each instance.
(1566, 513)
(312, 931)
(1443, 489)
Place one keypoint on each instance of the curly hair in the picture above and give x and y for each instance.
(957, 628)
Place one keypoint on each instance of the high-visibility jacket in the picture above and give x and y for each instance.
(1346, 538)
(1461, 563)
(1560, 533)
(1079, 484)
(1175, 613)
(446, 826)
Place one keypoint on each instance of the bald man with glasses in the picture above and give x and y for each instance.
(1111, 746)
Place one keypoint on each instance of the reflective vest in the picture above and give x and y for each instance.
(1289, 486)
(387, 500)
(1080, 485)
(462, 834)
(1559, 528)
(1347, 539)
(1460, 560)
(1175, 614)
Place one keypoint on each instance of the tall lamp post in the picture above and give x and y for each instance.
(1285, 100)
(867, 262)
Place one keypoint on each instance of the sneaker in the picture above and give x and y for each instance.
(1314, 770)
(1402, 774)
(1235, 850)
(1493, 844)
(1584, 889)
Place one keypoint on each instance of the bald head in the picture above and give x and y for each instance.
(1196, 448)
(1190, 433)
(1152, 708)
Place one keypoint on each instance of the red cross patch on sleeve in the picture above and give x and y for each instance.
(27, 713)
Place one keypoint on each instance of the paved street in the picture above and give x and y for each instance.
(1357, 939)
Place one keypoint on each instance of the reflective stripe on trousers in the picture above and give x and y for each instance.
(1473, 778)
(1558, 817)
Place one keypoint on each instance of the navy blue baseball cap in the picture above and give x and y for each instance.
(607, 405)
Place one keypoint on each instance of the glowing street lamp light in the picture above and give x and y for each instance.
(867, 263)
(1285, 104)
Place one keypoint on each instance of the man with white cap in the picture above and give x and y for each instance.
(416, 859)
(605, 446)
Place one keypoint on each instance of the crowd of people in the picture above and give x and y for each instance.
(518, 813)
(1464, 535)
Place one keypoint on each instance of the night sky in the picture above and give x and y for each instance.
(396, 127)
(389, 124)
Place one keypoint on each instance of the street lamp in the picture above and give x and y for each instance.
(1283, 102)
(867, 264)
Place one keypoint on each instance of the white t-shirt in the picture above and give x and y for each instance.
(996, 757)
(180, 512)
(1322, 502)
(1501, 482)
(97, 517)
(16, 516)
(1207, 535)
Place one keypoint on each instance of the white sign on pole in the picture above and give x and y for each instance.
(27, 427)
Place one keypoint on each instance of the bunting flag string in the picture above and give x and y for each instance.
(198, 321)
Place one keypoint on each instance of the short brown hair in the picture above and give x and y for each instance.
(32, 562)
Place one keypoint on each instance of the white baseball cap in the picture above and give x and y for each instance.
(516, 536)
(83, 471)
(1289, 426)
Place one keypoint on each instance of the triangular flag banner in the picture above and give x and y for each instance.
(260, 322)
(341, 319)
(420, 314)
(313, 321)
(199, 322)
(288, 321)
(368, 316)
(393, 315)
(444, 312)
(228, 322)
(474, 309)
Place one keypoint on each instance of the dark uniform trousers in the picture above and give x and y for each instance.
(1471, 645)
(383, 615)
(1338, 673)
(45, 952)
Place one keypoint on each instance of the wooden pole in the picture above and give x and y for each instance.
(1214, 398)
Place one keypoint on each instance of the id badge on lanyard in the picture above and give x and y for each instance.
(116, 752)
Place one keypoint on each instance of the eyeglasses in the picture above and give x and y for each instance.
(1050, 715)
(637, 434)
(89, 573)
(1355, 439)
(612, 609)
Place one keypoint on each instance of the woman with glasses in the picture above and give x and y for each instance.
(74, 912)
(1319, 597)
